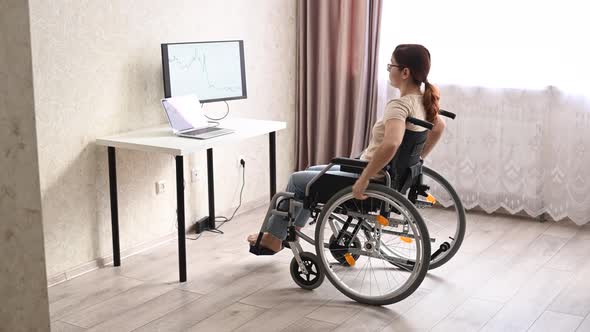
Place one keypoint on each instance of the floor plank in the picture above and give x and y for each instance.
(470, 316)
(208, 305)
(228, 319)
(115, 306)
(151, 310)
(585, 325)
(59, 326)
(284, 315)
(306, 324)
(524, 260)
(575, 298)
(377, 318)
(573, 256)
(530, 301)
(553, 321)
(76, 296)
(337, 310)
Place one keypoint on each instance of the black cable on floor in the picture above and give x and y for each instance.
(223, 218)
(226, 219)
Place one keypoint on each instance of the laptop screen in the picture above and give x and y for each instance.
(184, 113)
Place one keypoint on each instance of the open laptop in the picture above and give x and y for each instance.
(187, 120)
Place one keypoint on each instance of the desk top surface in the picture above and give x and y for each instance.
(161, 139)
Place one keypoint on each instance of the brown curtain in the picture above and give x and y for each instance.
(337, 43)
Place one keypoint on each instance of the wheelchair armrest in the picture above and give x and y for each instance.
(350, 162)
(351, 165)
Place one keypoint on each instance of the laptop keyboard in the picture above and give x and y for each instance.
(201, 131)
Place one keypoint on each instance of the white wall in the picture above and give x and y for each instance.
(97, 72)
(23, 292)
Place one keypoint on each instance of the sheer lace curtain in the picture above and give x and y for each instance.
(517, 80)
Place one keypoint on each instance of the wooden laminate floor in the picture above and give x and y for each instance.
(511, 274)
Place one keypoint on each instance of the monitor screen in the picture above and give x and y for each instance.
(212, 70)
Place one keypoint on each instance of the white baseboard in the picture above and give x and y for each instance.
(108, 260)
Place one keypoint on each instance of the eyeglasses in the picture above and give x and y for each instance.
(389, 66)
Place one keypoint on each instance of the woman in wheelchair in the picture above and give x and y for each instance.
(408, 70)
(378, 227)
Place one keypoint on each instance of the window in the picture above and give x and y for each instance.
(498, 44)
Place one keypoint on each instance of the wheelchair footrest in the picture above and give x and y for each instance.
(423, 203)
(261, 251)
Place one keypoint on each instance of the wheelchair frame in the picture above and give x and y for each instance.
(293, 235)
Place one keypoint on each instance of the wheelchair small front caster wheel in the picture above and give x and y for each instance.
(315, 276)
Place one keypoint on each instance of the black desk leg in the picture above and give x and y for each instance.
(208, 223)
(114, 206)
(272, 140)
(180, 214)
(211, 188)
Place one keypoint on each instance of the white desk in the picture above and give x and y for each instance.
(161, 140)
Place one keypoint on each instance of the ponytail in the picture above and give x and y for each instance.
(417, 58)
(431, 101)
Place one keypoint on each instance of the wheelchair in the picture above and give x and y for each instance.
(375, 251)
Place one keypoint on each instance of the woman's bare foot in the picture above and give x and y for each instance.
(268, 241)
(252, 238)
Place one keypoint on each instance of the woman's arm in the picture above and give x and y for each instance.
(394, 134)
(433, 136)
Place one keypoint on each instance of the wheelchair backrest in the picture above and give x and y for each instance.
(406, 165)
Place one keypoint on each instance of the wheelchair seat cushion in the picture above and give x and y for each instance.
(329, 184)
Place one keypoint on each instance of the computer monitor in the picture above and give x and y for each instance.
(214, 70)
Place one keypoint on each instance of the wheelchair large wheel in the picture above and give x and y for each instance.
(444, 216)
(371, 274)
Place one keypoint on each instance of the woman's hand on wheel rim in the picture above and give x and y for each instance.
(358, 190)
